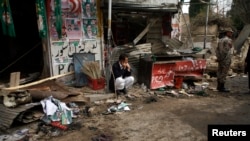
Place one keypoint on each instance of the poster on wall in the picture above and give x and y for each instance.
(61, 60)
(74, 47)
(53, 32)
(79, 31)
(175, 33)
(58, 49)
(75, 8)
(71, 23)
(89, 29)
(73, 28)
(65, 7)
(52, 19)
(89, 9)
(60, 57)
(62, 68)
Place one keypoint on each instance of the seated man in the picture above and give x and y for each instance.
(121, 75)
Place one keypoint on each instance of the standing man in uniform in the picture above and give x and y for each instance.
(247, 67)
(224, 56)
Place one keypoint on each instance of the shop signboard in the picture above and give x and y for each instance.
(162, 75)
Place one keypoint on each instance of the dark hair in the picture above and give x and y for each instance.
(86, 3)
(221, 35)
(122, 57)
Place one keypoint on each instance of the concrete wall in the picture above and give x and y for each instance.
(197, 34)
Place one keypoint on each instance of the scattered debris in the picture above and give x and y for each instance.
(185, 93)
(16, 98)
(173, 92)
(18, 135)
(102, 137)
(56, 110)
(151, 99)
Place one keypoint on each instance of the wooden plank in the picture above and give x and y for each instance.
(143, 45)
(97, 97)
(14, 79)
(37, 82)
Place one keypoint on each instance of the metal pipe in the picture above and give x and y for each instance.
(108, 49)
(205, 37)
(189, 32)
(109, 19)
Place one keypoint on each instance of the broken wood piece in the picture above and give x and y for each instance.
(43, 88)
(138, 38)
(174, 93)
(185, 93)
(79, 99)
(97, 97)
(14, 79)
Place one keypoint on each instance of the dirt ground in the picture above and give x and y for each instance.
(162, 117)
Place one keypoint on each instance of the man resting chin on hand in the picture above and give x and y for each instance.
(121, 78)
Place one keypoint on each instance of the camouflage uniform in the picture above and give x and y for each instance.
(224, 56)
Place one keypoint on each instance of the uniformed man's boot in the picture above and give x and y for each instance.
(218, 86)
(223, 89)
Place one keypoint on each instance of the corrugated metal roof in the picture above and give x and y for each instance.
(142, 6)
(7, 115)
(145, 2)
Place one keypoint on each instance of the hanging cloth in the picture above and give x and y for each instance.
(41, 18)
(58, 14)
(6, 18)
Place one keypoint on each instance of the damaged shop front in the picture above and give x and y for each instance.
(149, 33)
(139, 22)
(70, 31)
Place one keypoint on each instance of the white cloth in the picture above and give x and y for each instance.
(48, 106)
(58, 111)
(121, 83)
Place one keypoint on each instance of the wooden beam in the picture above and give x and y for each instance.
(37, 82)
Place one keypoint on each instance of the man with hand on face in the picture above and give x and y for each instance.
(121, 78)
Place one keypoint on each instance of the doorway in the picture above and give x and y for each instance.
(22, 53)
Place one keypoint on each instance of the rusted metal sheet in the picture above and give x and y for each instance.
(152, 2)
(148, 5)
(174, 43)
(8, 115)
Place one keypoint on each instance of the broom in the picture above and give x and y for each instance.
(92, 69)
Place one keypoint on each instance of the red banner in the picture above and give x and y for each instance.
(190, 67)
(162, 75)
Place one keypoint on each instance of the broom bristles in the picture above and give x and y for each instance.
(92, 69)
